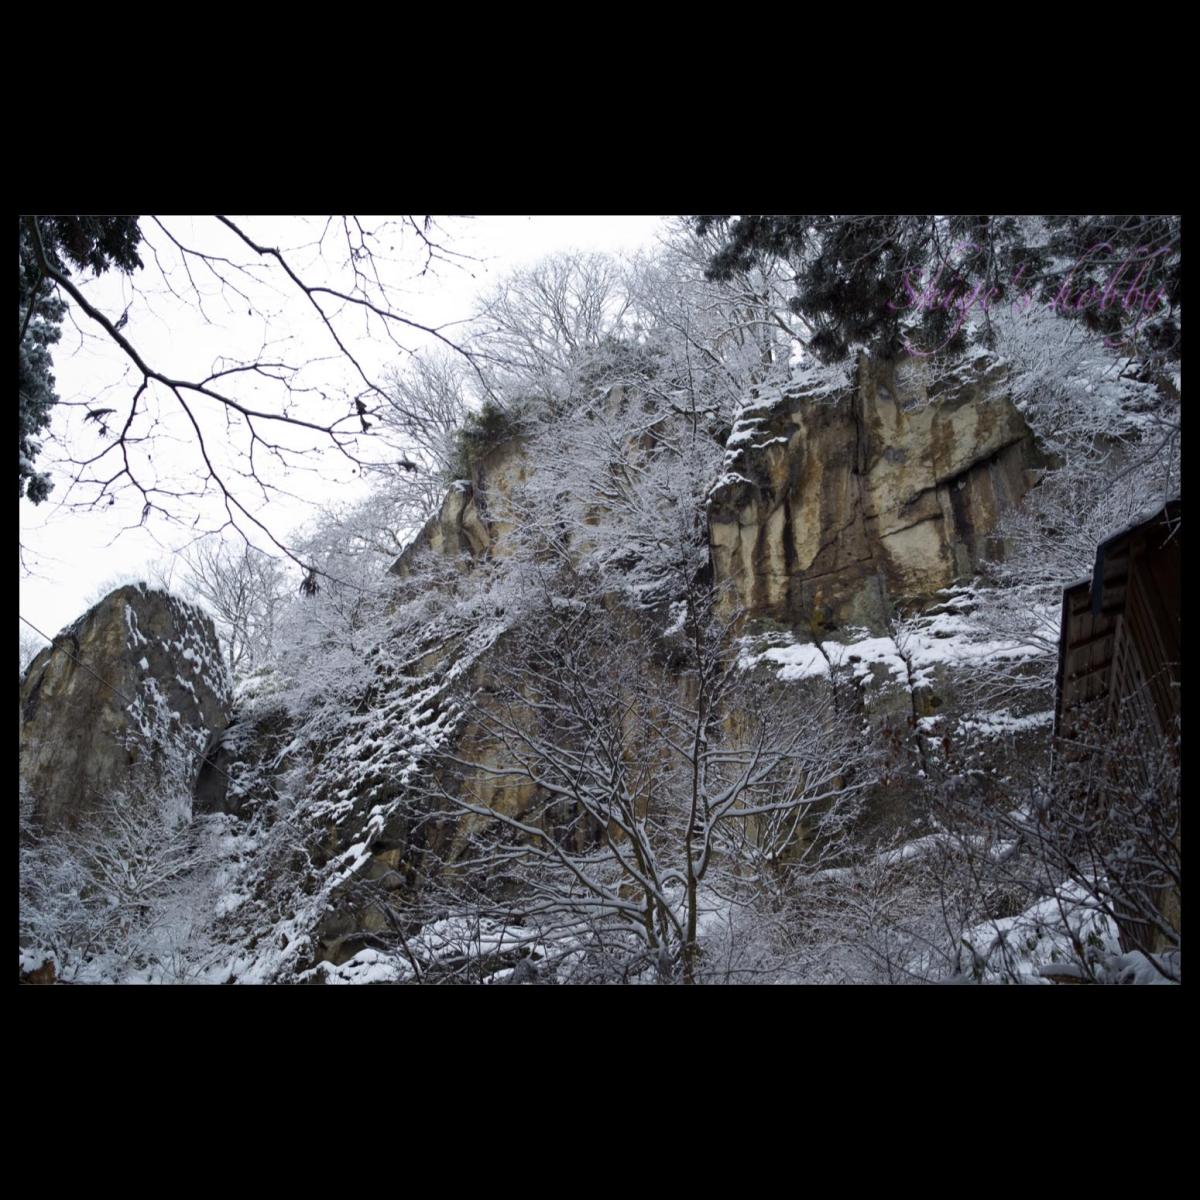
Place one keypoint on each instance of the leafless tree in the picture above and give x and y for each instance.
(243, 589)
(120, 891)
(428, 400)
(541, 327)
(294, 381)
(1111, 827)
(619, 788)
(160, 573)
(31, 645)
(1071, 874)
(743, 326)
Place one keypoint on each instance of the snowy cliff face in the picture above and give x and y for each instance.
(848, 504)
(835, 503)
(837, 499)
(476, 515)
(137, 680)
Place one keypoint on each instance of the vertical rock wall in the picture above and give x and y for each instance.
(135, 679)
(836, 503)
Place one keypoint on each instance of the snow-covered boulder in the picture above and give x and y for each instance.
(138, 679)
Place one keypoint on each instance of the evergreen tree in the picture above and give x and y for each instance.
(55, 241)
(1121, 275)
(895, 282)
(850, 272)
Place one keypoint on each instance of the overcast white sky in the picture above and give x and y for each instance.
(70, 553)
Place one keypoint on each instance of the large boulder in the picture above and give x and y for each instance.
(836, 503)
(138, 680)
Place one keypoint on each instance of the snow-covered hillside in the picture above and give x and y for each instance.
(701, 662)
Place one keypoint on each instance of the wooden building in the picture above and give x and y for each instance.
(1119, 641)
(1117, 711)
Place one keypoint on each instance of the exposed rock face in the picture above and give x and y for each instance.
(390, 845)
(247, 749)
(834, 505)
(475, 516)
(80, 736)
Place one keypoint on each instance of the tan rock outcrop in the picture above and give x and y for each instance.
(137, 677)
(476, 516)
(835, 504)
